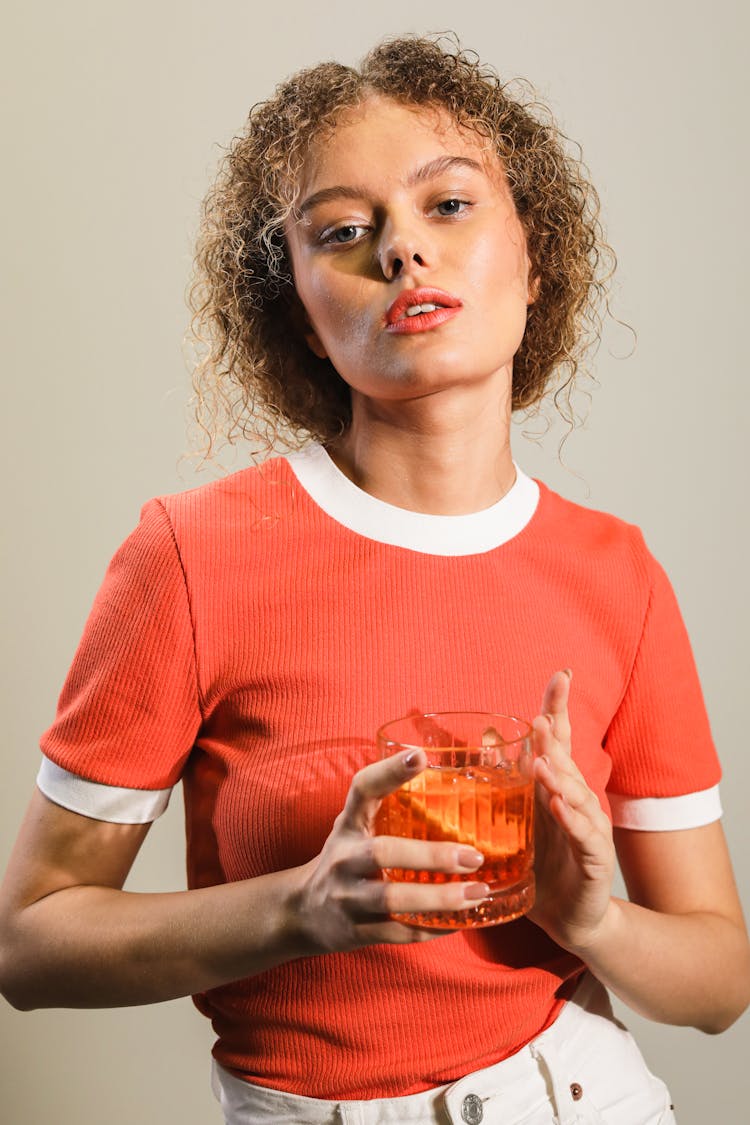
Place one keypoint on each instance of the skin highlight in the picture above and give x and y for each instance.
(440, 397)
(254, 374)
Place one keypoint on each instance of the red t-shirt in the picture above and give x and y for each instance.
(250, 637)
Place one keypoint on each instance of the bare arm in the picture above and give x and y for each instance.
(71, 937)
(678, 952)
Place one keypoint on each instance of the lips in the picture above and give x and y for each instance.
(413, 298)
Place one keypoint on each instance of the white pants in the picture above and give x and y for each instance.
(583, 1070)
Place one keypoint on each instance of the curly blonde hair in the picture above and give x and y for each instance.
(255, 375)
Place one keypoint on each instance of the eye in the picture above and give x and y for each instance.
(341, 235)
(452, 206)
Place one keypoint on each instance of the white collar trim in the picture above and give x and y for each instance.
(471, 534)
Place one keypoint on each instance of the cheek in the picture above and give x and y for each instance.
(320, 307)
(499, 265)
(338, 316)
(514, 260)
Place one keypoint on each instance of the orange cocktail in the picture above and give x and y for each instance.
(477, 789)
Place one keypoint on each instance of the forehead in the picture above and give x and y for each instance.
(382, 139)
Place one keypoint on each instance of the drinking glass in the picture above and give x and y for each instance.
(477, 789)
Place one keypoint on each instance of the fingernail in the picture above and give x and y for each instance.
(476, 891)
(469, 857)
(551, 720)
(568, 672)
(410, 760)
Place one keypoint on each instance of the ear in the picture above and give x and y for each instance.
(301, 324)
(315, 344)
(533, 282)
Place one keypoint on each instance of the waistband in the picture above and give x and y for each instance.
(531, 1078)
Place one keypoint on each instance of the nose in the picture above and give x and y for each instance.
(399, 250)
(394, 262)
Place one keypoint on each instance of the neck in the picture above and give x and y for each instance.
(433, 455)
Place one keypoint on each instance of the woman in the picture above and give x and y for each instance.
(392, 262)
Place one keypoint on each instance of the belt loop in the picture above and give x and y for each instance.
(547, 1055)
(350, 1113)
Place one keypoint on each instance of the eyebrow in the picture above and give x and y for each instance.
(428, 171)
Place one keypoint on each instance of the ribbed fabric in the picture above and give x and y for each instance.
(247, 641)
(113, 803)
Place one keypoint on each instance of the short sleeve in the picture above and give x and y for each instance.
(659, 740)
(129, 713)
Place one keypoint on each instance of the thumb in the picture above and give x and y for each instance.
(376, 781)
(555, 703)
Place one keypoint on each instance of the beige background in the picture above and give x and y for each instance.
(116, 114)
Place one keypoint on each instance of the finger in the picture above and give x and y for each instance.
(546, 745)
(543, 735)
(555, 704)
(396, 933)
(371, 854)
(371, 898)
(565, 778)
(376, 781)
(578, 800)
(591, 840)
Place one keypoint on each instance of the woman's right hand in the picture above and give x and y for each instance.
(71, 937)
(343, 902)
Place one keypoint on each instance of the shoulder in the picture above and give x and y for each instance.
(604, 557)
(601, 535)
(247, 497)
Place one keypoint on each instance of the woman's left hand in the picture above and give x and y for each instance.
(575, 853)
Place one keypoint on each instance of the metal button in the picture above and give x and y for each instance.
(471, 1109)
(576, 1091)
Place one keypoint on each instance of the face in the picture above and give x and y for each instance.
(408, 257)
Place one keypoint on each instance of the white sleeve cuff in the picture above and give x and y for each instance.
(664, 814)
(100, 802)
